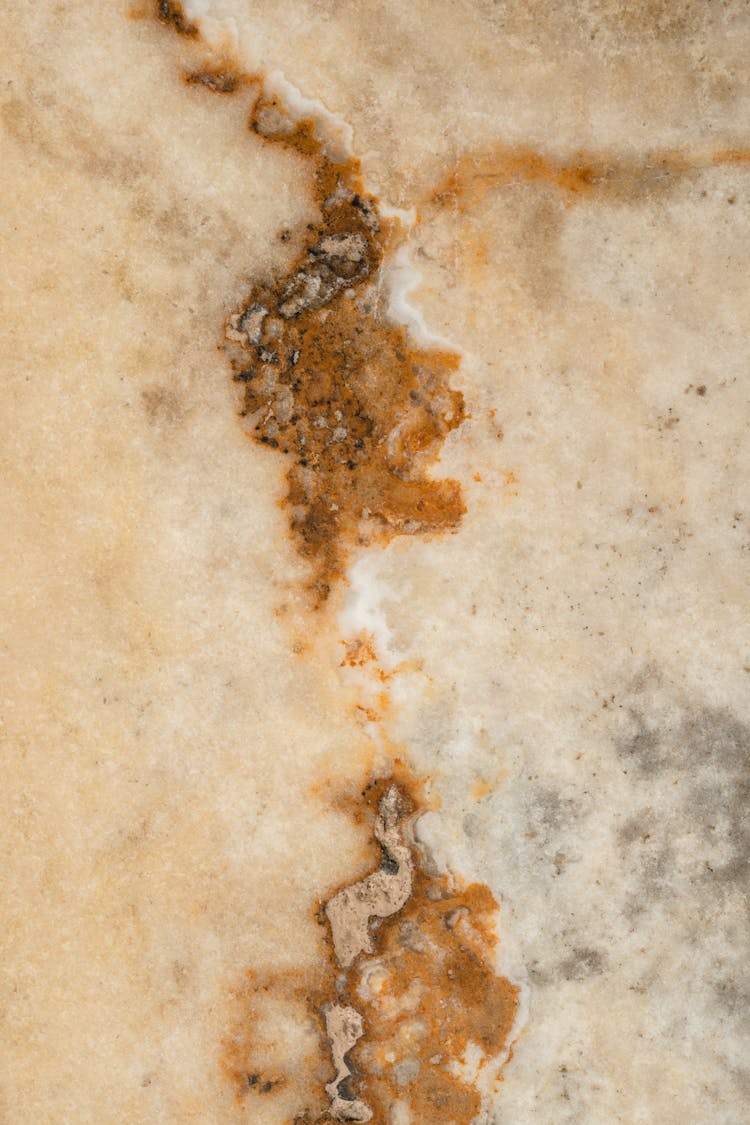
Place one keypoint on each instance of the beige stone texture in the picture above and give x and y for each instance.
(570, 669)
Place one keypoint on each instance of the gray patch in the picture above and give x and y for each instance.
(733, 995)
(472, 825)
(550, 811)
(637, 829)
(685, 848)
(641, 747)
(581, 964)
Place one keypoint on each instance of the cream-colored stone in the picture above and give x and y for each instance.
(579, 647)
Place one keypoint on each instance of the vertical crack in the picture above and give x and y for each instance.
(344, 1027)
(379, 895)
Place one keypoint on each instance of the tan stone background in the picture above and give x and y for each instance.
(579, 689)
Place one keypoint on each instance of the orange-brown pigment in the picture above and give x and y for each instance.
(327, 379)
(360, 413)
(338, 388)
(586, 176)
(433, 991)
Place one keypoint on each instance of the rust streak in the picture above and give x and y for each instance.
(360, 413)
(585, 175)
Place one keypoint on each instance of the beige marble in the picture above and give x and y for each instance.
(569, 669)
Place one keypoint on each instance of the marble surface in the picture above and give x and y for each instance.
(534, 693)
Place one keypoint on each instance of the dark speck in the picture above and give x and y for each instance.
(346, 1089)
(389, 865)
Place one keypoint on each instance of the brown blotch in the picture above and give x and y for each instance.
(171, 12)
(429, 990)
(586, 175)
(327, 378)
(163, 404)
(216, 79)
(330, 382)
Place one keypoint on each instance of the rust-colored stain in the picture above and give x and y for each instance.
(333, 384)
(327, 379)
(587, 175)
(360, 651)
(253, 1060)
(428, 994)
(481, 789)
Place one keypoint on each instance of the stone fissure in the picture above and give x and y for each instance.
(349, 913)
(332, 381)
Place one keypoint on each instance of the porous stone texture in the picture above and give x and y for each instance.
(567, 669)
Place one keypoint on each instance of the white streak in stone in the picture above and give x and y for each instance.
(337, 134)
(218, 31)
(400, 278)
(363, 612)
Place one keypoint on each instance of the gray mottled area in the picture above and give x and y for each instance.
(631, 897)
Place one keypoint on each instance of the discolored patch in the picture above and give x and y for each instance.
(586, 175)
(163, 405)
(327, 378)
(396, 1022)
(582, 963)
(336, 386)
(708, 752)
(431, 993)
(219, 80)
(382, 893)
(253, 1059)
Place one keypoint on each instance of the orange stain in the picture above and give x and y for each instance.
(332, 384)
(429, 991)
(587, 175)
(481, 789)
